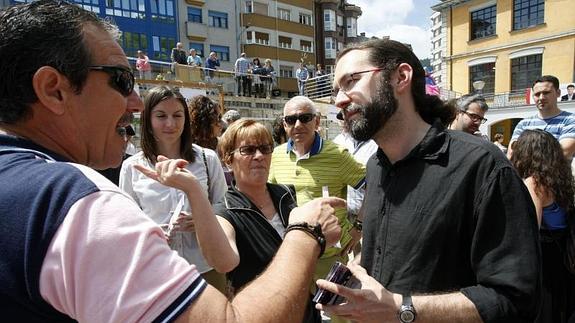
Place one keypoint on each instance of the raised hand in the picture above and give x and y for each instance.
(322, 211)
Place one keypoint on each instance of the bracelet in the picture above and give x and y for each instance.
(313, 230)
(357, 224)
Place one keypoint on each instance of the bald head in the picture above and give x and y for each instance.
(301, 102)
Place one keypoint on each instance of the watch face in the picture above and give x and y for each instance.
(407, 316)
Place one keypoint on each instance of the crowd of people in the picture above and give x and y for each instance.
(212, 221)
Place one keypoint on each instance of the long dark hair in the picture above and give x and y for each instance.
(538, 154)
(204, 114)
(148, 141)
(389, 54)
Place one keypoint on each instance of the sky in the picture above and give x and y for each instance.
(403, 20)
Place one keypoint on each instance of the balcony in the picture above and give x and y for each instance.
(198, 3)
(196, 30)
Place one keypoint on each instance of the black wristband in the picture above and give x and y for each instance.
(312, 230)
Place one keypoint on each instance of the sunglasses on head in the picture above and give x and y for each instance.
(303, 118)
(122, 78)
(249, 150)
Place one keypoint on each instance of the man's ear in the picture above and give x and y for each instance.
(52, 89)
(404, 77)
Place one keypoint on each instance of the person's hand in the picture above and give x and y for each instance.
(371, 303)
(170, 172)
(322, 211)
(185, 222)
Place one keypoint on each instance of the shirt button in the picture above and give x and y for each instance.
(297, 171)
(379, 250)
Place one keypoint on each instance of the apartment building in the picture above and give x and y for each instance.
(211, 26)
(500, 47)
(336, 26)
(282, 31)
(438, 47)
(506, 44)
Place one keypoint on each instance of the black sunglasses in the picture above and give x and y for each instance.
(122, 77)
(251, 149)
(303, 118)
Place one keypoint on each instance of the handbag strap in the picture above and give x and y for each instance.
(208, 174)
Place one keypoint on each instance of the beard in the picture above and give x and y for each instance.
(374, 115)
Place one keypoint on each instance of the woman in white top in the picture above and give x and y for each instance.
(166, 130)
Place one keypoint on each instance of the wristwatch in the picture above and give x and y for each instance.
(407, 312)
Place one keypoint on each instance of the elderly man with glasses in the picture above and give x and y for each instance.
(317, 167)
(471, 109)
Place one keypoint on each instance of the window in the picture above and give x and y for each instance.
(162, 47)
(351, 27)
(218, 19)
(195, 15)
(330, 45)
(121, 8)
(286, 71)
(162, 11)
(524, 70)
(284, 42)
(485, 73)
(329, 20)
(304, 19)
(222, 51)
(527, 13)
(257, 7)
(339, 20)
(90, 5)
(255, 37)
(132, 42)
(329, 69)
(483, 22)
(199, 47)
(306, 46)
(284, 14)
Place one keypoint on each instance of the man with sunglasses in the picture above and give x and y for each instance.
(450, 232)
(317, 167)
(75, 247)
(471, 109)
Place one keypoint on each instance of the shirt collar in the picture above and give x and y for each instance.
(433, 145)
(14, 143)
(315, 147)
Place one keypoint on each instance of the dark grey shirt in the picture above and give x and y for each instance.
(454, 215)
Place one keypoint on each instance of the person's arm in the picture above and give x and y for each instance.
(568, 145)
(374, 303)
(275, 295)
(211, 236)
(537, 200)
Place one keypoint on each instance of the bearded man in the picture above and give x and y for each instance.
(449, 231)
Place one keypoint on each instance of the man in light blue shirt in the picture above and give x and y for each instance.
(561, 124)
(242, 67)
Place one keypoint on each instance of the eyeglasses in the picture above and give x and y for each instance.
(303, 118)
(122, 77)
(348, 82)
(475, 118)
(249, 150)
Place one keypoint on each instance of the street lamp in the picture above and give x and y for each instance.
(478, 86)
(239, 39)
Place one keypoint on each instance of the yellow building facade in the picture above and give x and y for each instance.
(507, 43)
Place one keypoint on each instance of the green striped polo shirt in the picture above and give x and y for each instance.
(326, 164)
